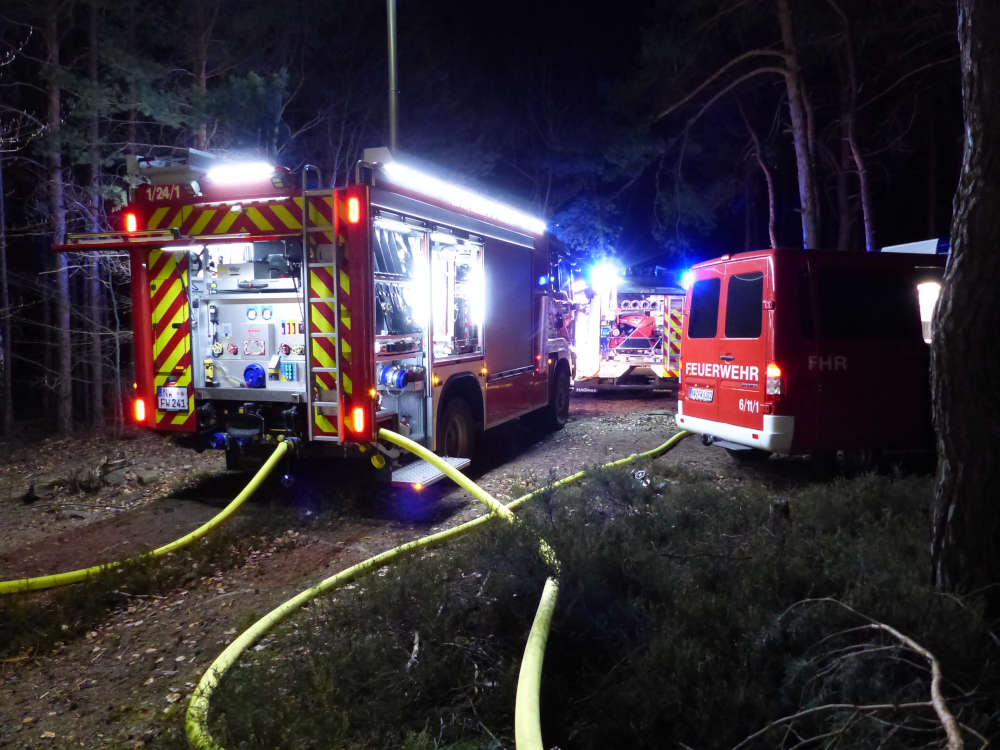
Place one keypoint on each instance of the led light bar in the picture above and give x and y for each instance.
(410, 178)
(233, 174)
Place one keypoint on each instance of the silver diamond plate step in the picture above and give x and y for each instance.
(423, 473)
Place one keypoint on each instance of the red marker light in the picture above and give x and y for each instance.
(353, 210)
(139, 410)
(131, 222)
(358, 419)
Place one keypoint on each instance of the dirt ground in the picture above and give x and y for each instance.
(71, 503)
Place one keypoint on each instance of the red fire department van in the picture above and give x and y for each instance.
(264, 310)
(808, 352)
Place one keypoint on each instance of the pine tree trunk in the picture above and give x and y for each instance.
(6, 362)
(800, 129)
(61, 337)
(94, 266)
(966, 531)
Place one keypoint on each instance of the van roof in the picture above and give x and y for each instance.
(833, 257)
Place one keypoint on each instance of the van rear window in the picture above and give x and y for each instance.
(744, 305)
(859, 305)
(704, 309)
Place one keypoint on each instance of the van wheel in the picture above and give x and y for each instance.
(749, 456)
(557, 412)
(455, 433)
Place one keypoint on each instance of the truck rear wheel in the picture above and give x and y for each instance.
(557, 412)
(455, 430)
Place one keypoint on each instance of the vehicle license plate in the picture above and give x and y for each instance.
(172, 398)
(700, 394)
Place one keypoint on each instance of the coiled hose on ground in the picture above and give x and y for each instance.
(527, 720)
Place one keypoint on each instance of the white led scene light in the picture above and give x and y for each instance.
(464, 199)
(232, 174)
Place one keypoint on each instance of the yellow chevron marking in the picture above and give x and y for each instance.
(176, 287)
(156, 220)
(345, 317)
(318, 287)
(227, 221)
(206, 216)
(323, 358)
(323, 423)
(178, 218)
(316, 219)
(285, 216)
(348, 386)
(254, 214)
(345, 282)
(345, 350)
(319, 323)
(171, 362)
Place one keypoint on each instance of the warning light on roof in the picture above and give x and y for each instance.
(139, 410)
(353, 210)
(131, 222)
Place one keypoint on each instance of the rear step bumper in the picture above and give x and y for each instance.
(775, 434)
(421, 473)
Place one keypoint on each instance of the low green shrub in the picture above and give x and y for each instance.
(687, 617)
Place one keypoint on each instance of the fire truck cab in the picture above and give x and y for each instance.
(805, 352)
(263, 309)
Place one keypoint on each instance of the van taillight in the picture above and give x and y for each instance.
(775, 385)
(139, 410)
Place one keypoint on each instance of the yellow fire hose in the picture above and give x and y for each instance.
(75, 576)
(527, 724)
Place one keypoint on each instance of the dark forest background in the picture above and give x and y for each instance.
(657, 132)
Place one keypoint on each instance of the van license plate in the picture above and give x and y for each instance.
(700, 394)
(171, 398)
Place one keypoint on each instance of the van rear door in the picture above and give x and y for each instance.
(744, 343)
(700, 381)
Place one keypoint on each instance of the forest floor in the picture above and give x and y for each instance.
(74, 502)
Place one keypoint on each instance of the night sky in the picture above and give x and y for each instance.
(549, 105)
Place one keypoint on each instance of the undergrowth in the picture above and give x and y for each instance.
(687, 617)
(36, 621)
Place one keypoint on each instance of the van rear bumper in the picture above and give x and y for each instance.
(775, 435)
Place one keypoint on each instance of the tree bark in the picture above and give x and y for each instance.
(6, 362)
(966, 530)
(800, 129)
(849, 114)
(60, 337)
(758, 154)
(94, 260)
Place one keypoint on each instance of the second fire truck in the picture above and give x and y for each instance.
(628, 333)
(264, 309)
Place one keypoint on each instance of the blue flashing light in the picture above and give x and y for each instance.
(687, 279)
(543, 280)
(605, 275)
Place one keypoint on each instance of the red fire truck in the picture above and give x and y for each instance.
(265, 309)
(628, 333)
